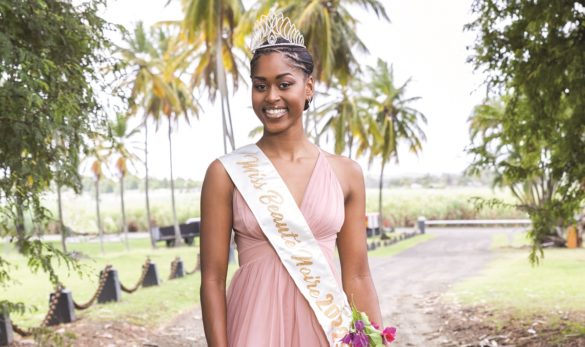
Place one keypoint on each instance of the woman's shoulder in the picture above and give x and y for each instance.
(348, 172)
(344, 163)
(217, 175)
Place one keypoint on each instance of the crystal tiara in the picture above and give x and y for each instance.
(268, 29)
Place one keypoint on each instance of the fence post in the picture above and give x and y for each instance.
(111, 290)
(198, 267)
(151, 277)
(64, 310)
(179, 269)
(421, 223)
(6, 333)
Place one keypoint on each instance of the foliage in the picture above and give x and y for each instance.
(329, 29)
(531, 131)
(50, 55)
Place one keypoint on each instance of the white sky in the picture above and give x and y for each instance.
(425, 41)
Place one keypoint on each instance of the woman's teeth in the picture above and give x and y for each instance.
(275, 112)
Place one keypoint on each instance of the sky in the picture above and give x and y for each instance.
(424, 41)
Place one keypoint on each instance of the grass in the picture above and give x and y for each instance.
(147, 305)
(402, 206)
(510, 283)
(400, 246)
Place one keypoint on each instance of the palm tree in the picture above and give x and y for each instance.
(121, 146)
(155, 57)
(98, 158)
(168, 95)
(140, 56)
(346, 119)
(209, 27)
(394, 121)
(329, 30)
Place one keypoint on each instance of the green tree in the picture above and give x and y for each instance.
(329, 30)
(346, 118)
(157, 86)
(393, 120)
(534, 54)
(209, 29)
(122, 146)
(50, 54)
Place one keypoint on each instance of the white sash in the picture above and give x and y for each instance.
(287, 230)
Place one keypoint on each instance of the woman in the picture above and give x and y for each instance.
(264, 305)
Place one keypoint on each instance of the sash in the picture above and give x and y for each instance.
(287, 230)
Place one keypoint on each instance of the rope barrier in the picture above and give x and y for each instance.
(197, 266)
(140, 280)
(101, 284)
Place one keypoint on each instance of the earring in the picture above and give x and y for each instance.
(307, 102)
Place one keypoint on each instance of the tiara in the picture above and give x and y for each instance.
(269, 28)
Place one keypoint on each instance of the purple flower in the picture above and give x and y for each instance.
(360, 340)
(359, 325)
(347, 339)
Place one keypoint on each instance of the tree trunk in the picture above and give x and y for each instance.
(178, 239)
(227, 126)
(124, 224)
(99, 218)
(62, 230)
(148, 216)
(380, 206)
(20, 228)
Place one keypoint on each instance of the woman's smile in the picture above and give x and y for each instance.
(275, 112)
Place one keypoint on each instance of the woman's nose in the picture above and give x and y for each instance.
(273, 95)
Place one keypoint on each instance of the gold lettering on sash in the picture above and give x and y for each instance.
(303, 258)
(251, 169)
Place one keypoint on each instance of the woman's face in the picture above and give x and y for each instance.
(279, 92)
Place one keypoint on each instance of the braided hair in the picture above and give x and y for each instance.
(298, 57)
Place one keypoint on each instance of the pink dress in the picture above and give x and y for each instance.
(264, 306)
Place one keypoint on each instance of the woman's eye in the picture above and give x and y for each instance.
(284, 85)
(260, 87)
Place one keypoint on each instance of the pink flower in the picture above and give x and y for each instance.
(389, 334)
(376, 326)
(359, 325)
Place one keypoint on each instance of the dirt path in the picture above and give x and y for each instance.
(408, 284)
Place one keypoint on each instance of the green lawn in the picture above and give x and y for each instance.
(165, 301)
(510, 283)
(400, 246)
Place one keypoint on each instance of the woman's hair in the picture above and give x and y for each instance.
(298, 56)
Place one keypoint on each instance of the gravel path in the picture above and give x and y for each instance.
(408, 284)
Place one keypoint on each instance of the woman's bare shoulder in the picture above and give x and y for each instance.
(217, 175)
(348, 171)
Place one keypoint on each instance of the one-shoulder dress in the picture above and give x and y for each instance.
(264, 306)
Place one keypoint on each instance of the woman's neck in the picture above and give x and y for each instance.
(287, 146)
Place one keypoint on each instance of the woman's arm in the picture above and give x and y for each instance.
(351, 243)
(216, 226)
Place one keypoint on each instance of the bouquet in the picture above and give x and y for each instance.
(363, 333)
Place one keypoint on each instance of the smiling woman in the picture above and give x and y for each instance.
(290, 204)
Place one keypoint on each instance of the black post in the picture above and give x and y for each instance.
(421, 223)
(64, 310)
(111, 290)
(151, 277)
(179, 269)
(6, 334)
